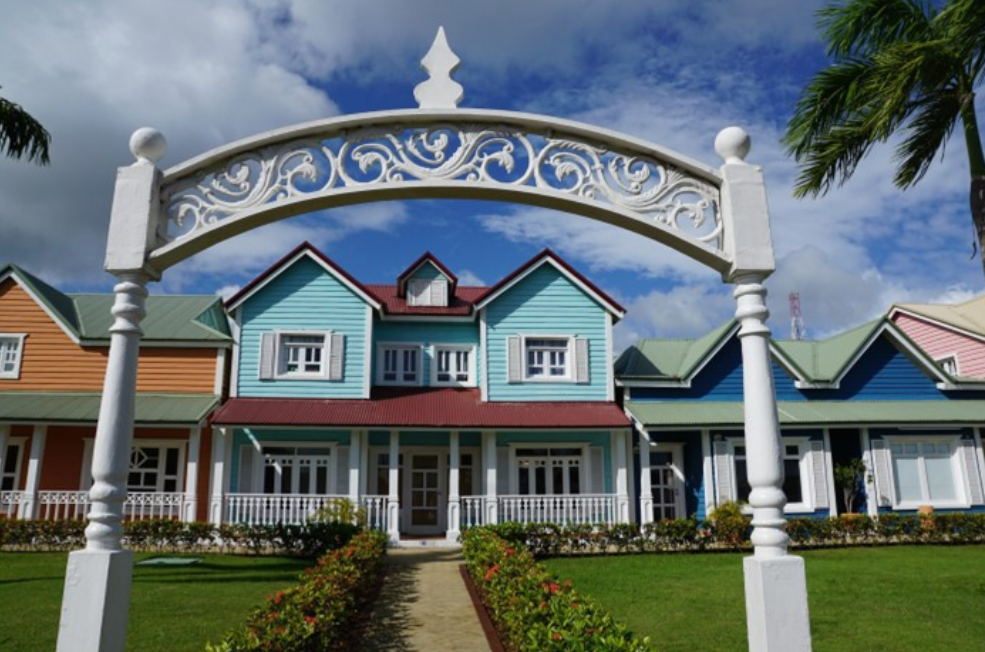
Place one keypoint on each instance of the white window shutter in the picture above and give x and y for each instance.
(246, 470)
(975, 496)
(581, 360)
(597, 458)
(884, 480)
(336, 356)
(439, 292)
(820, 474)
(268, 355)
(514, 359)
(503, 470)
(723, 473)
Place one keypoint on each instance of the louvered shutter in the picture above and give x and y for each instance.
(268, 355)
(884, 479)
(976, 496)
(341, 464)
(336, 356)
(503, 470)
(439, 292)
(723, 473)
(245, 484)
(597, 456)
(820, 474)
(514, 359)
(581, 360)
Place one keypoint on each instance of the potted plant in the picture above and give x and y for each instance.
(850, 478)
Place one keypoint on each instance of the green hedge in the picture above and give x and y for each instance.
(307, 540)
(531, 610)
(732, 533)
(318, 613)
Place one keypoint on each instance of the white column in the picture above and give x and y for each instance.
(454, 500)
(96, 599)
(4, 440)
(222, 446)
(707, 479)
(775, 583)
(29, 503)
(489, 466)
(871, 499)
(393, 500)
(355, 455)
(646, 482)
(621, 475)
(191, 474)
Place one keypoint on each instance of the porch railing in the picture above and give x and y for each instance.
(10, 502)
(375, 509)
(581, 509)
(473, 511)
(270, 509)
(63, 505)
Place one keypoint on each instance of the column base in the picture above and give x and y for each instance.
(776, 604)
(96, 601)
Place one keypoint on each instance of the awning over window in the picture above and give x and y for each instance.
(75, 407)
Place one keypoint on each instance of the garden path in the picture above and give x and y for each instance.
(424, 606)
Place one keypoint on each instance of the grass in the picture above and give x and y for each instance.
(171, 608)
(892, 599)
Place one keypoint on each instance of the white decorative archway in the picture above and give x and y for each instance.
(717, 217)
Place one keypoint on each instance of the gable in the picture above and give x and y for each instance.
(884, 371)
(543, 298)
(301, 296)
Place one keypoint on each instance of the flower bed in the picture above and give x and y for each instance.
(319, 613)
(531, 610)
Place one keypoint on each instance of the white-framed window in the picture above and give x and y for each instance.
(156, 467)
(11, 352)
(399, 364)
(10, 473)
(300, 469)
(453, 365)
(798, 476)
(949, 364)
(926, 471)
(427, 292)
(547, 358)
(301, 355)
(550, 471)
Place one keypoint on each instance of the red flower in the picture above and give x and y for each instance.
(556, 636)
(509, 551)
(491, 572)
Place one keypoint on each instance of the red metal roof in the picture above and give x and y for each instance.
(459, 305)
(419, 408)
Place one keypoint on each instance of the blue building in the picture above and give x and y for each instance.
(431, 406)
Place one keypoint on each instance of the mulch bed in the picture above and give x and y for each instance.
(492, 637)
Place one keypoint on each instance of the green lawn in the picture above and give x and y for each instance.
(172, 608)
(891, 599)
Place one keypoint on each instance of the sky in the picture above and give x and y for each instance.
(209, 72)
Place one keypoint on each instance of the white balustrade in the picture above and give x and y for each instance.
(375, 508)
(9, 502)
(67, 505)
(270, 509)
(581, 509)
(472, 511)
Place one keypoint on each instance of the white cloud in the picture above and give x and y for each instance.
(227, 291)
(684, 311)
(469, 278)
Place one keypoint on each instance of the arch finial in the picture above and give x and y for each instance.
(148, 145)
(439, 91)
(732, 144)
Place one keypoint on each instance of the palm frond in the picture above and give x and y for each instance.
(864, 26)
(962, 23)
(933, 121)
(21, 135)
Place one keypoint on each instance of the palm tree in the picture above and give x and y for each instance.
(21, 134)
(902, 66)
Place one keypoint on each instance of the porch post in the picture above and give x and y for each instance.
(29, 504)
(355, 456)
(454, 500)
(622, 476)
(221, 458)
(489, 464)
(646, 483)
(4, 438)
(190, 502)
(393, 501)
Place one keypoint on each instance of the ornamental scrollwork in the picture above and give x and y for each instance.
(651, 190)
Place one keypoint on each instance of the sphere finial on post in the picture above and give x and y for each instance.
(439, 91)
(732, 144)
(148, 145)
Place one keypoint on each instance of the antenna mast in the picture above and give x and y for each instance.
(798, 329)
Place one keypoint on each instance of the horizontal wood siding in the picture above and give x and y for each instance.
(427, 272)
(546, 302)
(53, 362)
(941, 342)
(427, 334)
(303, 297)
(884, 373)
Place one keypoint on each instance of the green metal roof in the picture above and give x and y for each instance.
(82, 407)
(668, 359)
(58, 303)
(730, 413)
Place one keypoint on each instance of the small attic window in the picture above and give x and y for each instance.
(949, 364)
(427, 292)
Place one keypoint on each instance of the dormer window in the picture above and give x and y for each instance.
(427, 292)
(949, 365)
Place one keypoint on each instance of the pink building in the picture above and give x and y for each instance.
(952, 334)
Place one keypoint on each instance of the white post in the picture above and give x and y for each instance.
(29, 504)
(96, 600)
(221, 449)
(454, 500)
(489, 464)
(393, 500)
(775, 583)
(646, 482)
(191, 474)
(355, 455)
(622, 475)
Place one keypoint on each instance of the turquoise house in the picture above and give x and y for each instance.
(432, 406)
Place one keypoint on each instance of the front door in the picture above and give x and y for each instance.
(666, 483)
(425, 495)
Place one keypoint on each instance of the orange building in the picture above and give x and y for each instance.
(53, 352)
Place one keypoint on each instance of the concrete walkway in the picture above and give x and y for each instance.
(424, 606)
